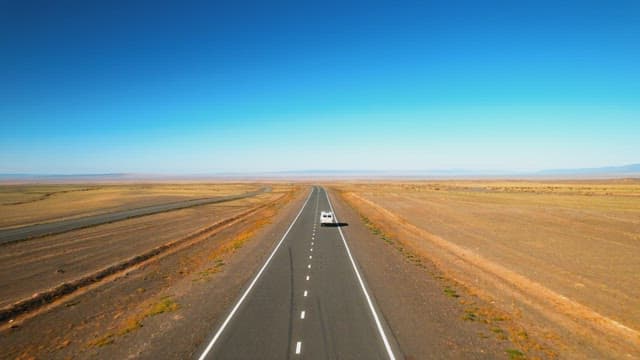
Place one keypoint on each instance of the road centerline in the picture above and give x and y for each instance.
(253, 282)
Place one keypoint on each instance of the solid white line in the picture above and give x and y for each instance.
(364, 290)
(235, 308)
(298, 347)
(302, 314)
(305, 293)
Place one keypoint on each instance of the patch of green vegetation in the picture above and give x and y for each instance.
(205, 274)
(515, 354)
(451, 292)
(499, 332)
(470, 315)
(164, 305)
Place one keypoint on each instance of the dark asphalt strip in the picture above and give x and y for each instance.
(58, 227)
(331, 316)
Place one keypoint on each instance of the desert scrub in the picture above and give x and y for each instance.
(134, 322)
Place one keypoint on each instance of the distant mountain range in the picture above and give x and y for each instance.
(632, 170)
(608, 170)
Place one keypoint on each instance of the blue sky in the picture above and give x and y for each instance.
(205, 87)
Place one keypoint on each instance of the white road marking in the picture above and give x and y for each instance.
(305, 293)
(302, 314)
(311, 249)
(253, 282)
(364, 290)
(309, 266)
(312, 243)
(307, 277)
(310, 257)
(298, 347)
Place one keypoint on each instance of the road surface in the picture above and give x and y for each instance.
(57, 227)
(307, 301)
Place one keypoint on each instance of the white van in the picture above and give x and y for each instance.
(326, 217)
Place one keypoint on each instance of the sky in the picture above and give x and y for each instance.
(202, 87)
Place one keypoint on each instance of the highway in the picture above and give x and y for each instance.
(57, 227)
(308, 300)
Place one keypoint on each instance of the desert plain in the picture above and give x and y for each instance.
(561, 257)
(554, 263)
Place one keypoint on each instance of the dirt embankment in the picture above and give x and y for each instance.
(515, 250)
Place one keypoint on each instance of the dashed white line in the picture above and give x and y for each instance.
(307, 277)
(253, 282)
(302, 314)
(298, 347)
(305, 293)
(311, 249)
(309, 266)
(310, 257)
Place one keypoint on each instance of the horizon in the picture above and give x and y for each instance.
(612, 172)
(197, 88)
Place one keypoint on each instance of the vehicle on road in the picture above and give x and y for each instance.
(326, 217)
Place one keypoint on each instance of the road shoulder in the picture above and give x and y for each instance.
(428, 317)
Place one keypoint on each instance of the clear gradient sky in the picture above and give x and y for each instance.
(206, 87)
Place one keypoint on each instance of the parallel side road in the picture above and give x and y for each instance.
(307, 301)
(57, 227)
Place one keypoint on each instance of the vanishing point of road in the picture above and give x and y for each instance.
(309, 300)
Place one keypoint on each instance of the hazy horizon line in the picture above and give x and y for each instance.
(627, 169)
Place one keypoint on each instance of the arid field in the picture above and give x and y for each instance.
(39, 267)
(29, 204)
(536, 269)
(561, 257)
(74, 293)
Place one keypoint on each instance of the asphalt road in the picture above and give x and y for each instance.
(307, 301)
(57, 227)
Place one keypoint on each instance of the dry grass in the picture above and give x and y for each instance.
(572, 244)
(239, 239)
(28, 204)
(135, 321)
(188, 264)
